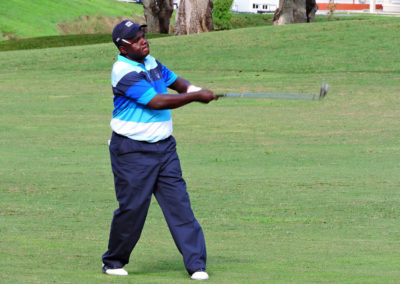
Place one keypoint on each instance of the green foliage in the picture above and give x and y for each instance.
(222, 14)
(332, 8)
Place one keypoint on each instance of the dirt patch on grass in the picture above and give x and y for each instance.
(10, 36)
(93, 25)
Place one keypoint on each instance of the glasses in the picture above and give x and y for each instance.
(127, 42)
(136, 41)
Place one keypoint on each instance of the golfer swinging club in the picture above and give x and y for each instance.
(143, 154)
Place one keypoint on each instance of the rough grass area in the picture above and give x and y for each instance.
(91, 30)
(250, 20)
(244, 20)
(94, 25)
(59, 41)
(35, 18)
(39, 18)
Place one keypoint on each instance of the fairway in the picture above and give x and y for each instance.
(286, 191)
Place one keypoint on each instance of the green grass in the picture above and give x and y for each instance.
(250, 20)
(21, 19)
(34, 18)
(60, 41)
(238, 21)
(244, 20)
(286, 191)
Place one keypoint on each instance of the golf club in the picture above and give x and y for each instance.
(309, 97)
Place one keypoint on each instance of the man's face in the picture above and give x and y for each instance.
(136, 48)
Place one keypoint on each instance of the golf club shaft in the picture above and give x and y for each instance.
(309, 97)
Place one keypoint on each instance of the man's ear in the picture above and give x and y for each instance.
(122, 49)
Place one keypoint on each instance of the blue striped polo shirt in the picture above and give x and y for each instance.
(134, 85)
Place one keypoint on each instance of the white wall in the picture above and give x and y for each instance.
(250, 6)
(351, 1)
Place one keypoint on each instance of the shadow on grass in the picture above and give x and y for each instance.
(60, 41)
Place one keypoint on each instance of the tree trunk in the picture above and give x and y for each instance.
(158, 15)
(311, 10)
(295, 11)
(194, 16)
(284, 14)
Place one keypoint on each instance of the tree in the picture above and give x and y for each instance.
(295, 11)
(194, 16)
(222, 14)
(158, 15)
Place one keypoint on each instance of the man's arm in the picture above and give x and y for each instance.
(175, 101)
(181, 85)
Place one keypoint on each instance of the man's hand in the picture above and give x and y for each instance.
(205, 96)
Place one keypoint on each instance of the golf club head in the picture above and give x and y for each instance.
(324, 91)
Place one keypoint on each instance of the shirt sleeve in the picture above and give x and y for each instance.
(168, 76)
(135, 87)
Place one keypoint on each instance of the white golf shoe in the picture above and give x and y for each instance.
(114, 271)
(199, 275)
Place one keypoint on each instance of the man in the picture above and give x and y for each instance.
(143, 154)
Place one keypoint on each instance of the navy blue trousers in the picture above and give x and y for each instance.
(140, 170)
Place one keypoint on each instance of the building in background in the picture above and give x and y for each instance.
(391, 6)
(349, 5)
(254, 6)
(269, 6)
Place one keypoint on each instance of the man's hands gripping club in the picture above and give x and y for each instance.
(187, 94)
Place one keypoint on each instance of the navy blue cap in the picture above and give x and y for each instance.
(125, 30)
